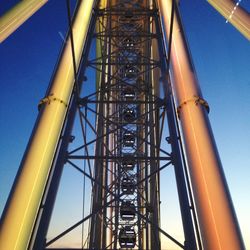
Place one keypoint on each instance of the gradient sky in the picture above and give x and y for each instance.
(221, 57)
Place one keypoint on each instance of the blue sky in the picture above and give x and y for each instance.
(221, 58)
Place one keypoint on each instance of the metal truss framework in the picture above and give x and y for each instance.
(123, 127)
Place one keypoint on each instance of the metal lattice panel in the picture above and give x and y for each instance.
(121, 147)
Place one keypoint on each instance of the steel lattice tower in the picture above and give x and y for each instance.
(119, 127)
(127, 131)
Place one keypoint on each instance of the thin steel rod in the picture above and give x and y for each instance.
(118, 157)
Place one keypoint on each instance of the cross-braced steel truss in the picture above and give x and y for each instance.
(121, 149)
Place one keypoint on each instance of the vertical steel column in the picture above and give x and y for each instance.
(97, 221)
(155, 78)
(23, 204)
(234, 14)
(16, 16)
(154, 198)
(97, 193)
(188, 227)
(217, 220)
(46, 208)
(185, 206)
